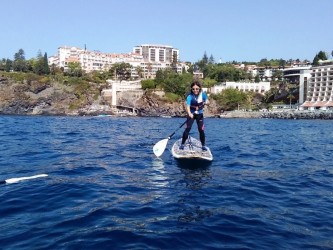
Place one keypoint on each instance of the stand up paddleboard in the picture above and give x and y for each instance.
(192, 150)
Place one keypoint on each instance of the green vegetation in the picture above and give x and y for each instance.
(231, 99)
(148, 84)
(38, 65)
(176, 86)
(121, 71)
(320, 56)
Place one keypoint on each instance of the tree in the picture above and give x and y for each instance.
(320, 56)
(9, 65)
(211, 60)
(74, 69)
(174, 62)
(2, 64)
(264, 63)
(148, 84)
(282, 63)
(139, 70)
(46, 69)
(205, 58)
(160, 76)
(231, 99)
(19, 63)
(278, 74)
(149, 69)
(122, 70)
(257, 78)
(38, 66)
(270, 95)
(178, 84)
(202, 65)
(208, 83)
(225, 72)
(290, 96)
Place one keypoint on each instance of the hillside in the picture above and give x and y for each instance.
(34, 95)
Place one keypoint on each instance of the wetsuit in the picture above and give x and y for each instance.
(196, 103)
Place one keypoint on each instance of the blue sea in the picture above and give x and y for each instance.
(270, 185)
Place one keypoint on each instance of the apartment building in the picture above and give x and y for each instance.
(157, 56)
(319, 88)
(157, 53)
(89, 60)
(258, 87)
(150, 58)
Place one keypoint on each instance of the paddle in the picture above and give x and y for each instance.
(14, 180)
(160, 146)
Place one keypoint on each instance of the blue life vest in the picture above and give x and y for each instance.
(196, 102)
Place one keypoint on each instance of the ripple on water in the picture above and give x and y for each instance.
(269, 186)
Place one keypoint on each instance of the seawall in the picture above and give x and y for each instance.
(297, 114)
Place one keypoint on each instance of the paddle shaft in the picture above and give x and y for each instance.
(177, 130)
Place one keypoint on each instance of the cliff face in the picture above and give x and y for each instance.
(151, 104)
(154, 103)
(53, 98)
(34, 98)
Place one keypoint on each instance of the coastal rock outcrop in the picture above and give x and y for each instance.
(298, 114)
(52, 98)
(35, 98)
(152, 104)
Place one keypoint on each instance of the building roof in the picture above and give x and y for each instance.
(308, 104)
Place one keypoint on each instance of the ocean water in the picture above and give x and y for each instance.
(270, 185)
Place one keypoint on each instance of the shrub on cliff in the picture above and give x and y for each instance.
(148, 84)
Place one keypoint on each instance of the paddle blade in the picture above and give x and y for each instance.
(14, 180)
(159, 147)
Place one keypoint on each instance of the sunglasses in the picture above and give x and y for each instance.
(195, 89)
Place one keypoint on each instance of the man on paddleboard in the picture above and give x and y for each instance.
(195, 102)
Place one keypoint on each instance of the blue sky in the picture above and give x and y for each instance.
(240, 30)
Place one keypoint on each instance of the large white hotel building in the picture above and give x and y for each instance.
(319, 92)
(150, 57)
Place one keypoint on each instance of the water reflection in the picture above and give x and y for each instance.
(158, 177)
(196, 178)
(192, 201)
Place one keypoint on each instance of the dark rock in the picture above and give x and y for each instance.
(326, 115)
(36, 87)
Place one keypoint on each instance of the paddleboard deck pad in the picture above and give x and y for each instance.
(192, 150)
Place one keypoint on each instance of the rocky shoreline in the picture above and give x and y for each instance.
(299, 114)
(290, 114)
(53, 98)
